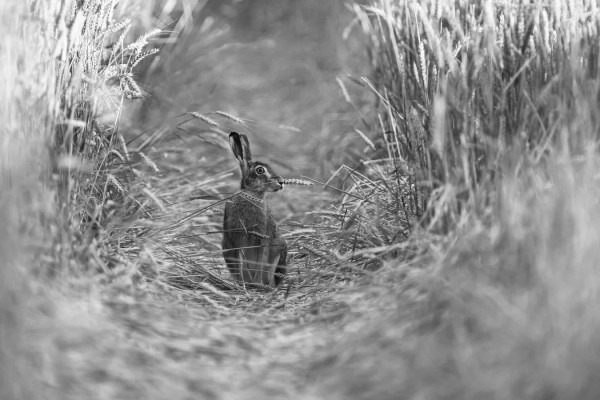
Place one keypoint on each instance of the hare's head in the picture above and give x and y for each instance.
(257, 177)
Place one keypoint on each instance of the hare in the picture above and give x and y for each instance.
(252, 246)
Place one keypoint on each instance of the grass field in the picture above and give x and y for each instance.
(447, 249)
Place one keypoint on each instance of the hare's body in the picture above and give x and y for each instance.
(252, 247)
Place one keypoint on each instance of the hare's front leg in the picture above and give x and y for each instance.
(279, 260)
(234, 241)
(233, 260)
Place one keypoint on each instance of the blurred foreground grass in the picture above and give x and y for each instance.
(452, 254)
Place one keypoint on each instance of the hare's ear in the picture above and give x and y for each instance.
(240, 147)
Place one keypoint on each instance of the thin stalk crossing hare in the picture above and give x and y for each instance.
(252, 246)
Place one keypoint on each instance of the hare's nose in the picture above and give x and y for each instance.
(280, 181)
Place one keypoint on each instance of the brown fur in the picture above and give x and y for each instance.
(252, 247)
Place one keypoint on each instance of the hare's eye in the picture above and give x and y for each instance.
(260, 170)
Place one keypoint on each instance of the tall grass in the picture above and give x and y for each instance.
(93, 60)
(462, 85)
(65, 66)
(489, 109)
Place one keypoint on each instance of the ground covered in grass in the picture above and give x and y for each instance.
(446, 250)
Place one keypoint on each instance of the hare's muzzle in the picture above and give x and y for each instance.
(276, 183)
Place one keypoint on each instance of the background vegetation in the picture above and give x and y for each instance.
(448, 246)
